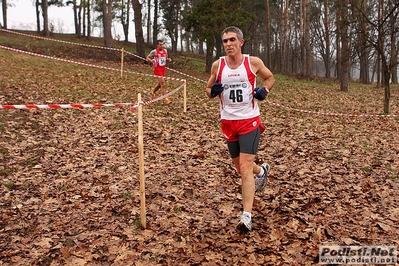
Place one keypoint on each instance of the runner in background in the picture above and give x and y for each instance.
(159, 57)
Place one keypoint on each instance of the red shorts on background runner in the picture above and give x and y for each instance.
(233, 128)
(159, 71)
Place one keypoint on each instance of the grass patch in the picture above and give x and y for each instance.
(366, 169)
(10, 185)
(127, 196)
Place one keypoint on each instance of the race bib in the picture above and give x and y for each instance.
(236, 95)
(162, 61)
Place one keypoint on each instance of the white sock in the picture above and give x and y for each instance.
(247, 214)
(262, 171)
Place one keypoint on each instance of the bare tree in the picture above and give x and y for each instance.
(125, 18)
(76, 16)
(381, 33)
(171, 15)
(306, 41)
(149, 21)
(138, 23)
(155, 24)
(37, 8)
(283, 34)
(268, 35)
(327, 57)
(4, 6)
(46, 30)
(107, 22)
(344, 55)
(393, 25)
(361, 46)
(88, 35)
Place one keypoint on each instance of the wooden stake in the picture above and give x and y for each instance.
(122, 62)
(141, 164)
(185, 97)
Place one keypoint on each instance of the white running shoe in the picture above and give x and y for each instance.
(245, 224)
(261, 182)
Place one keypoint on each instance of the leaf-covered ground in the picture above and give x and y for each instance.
(70, 192)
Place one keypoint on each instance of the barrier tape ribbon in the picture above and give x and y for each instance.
(60, 106)
(98, 47)
(328, 113)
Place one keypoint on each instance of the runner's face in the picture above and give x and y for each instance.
(160, 45)
(231, 44)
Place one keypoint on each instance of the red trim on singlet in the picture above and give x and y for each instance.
(251, 77)
(222, 64)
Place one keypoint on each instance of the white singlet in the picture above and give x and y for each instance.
(237, 101)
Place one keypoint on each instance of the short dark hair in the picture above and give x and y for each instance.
(159, 41)
(235, 29)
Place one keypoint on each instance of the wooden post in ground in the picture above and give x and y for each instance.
(141, 163)
(185, 97)
(122, 62)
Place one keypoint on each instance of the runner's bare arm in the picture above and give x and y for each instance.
(212, 78)
(259, 67)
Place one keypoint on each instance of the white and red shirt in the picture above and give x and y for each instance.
(160, 58)
(237, 101)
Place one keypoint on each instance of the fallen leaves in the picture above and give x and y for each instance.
(70, 180)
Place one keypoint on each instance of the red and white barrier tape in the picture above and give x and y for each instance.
(81, 106)
(329, 114)
(159, 98)
(99, 47)
(60, 41)
(86, 64)
(58, 106)
(61, 106)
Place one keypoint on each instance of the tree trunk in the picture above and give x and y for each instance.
(364, 52)
(201, 48)
(187, 34)
(125, 19)
(4, 2)
(282, 63)
(46, 30)
(155, 24)
(308, 50)
(338, 45)
(88, 35)
(393, 63)
(180, 32)
(387, 89)
(386, 73)
(149, 21)
(345, 52)
(378, 70)
(303, 41)
(107, 21)
(37, 16)
(84, 15)
(138, 25)
(395, 58)
(327, 58)
(75, 18)
(268, 35)
(79, 33)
